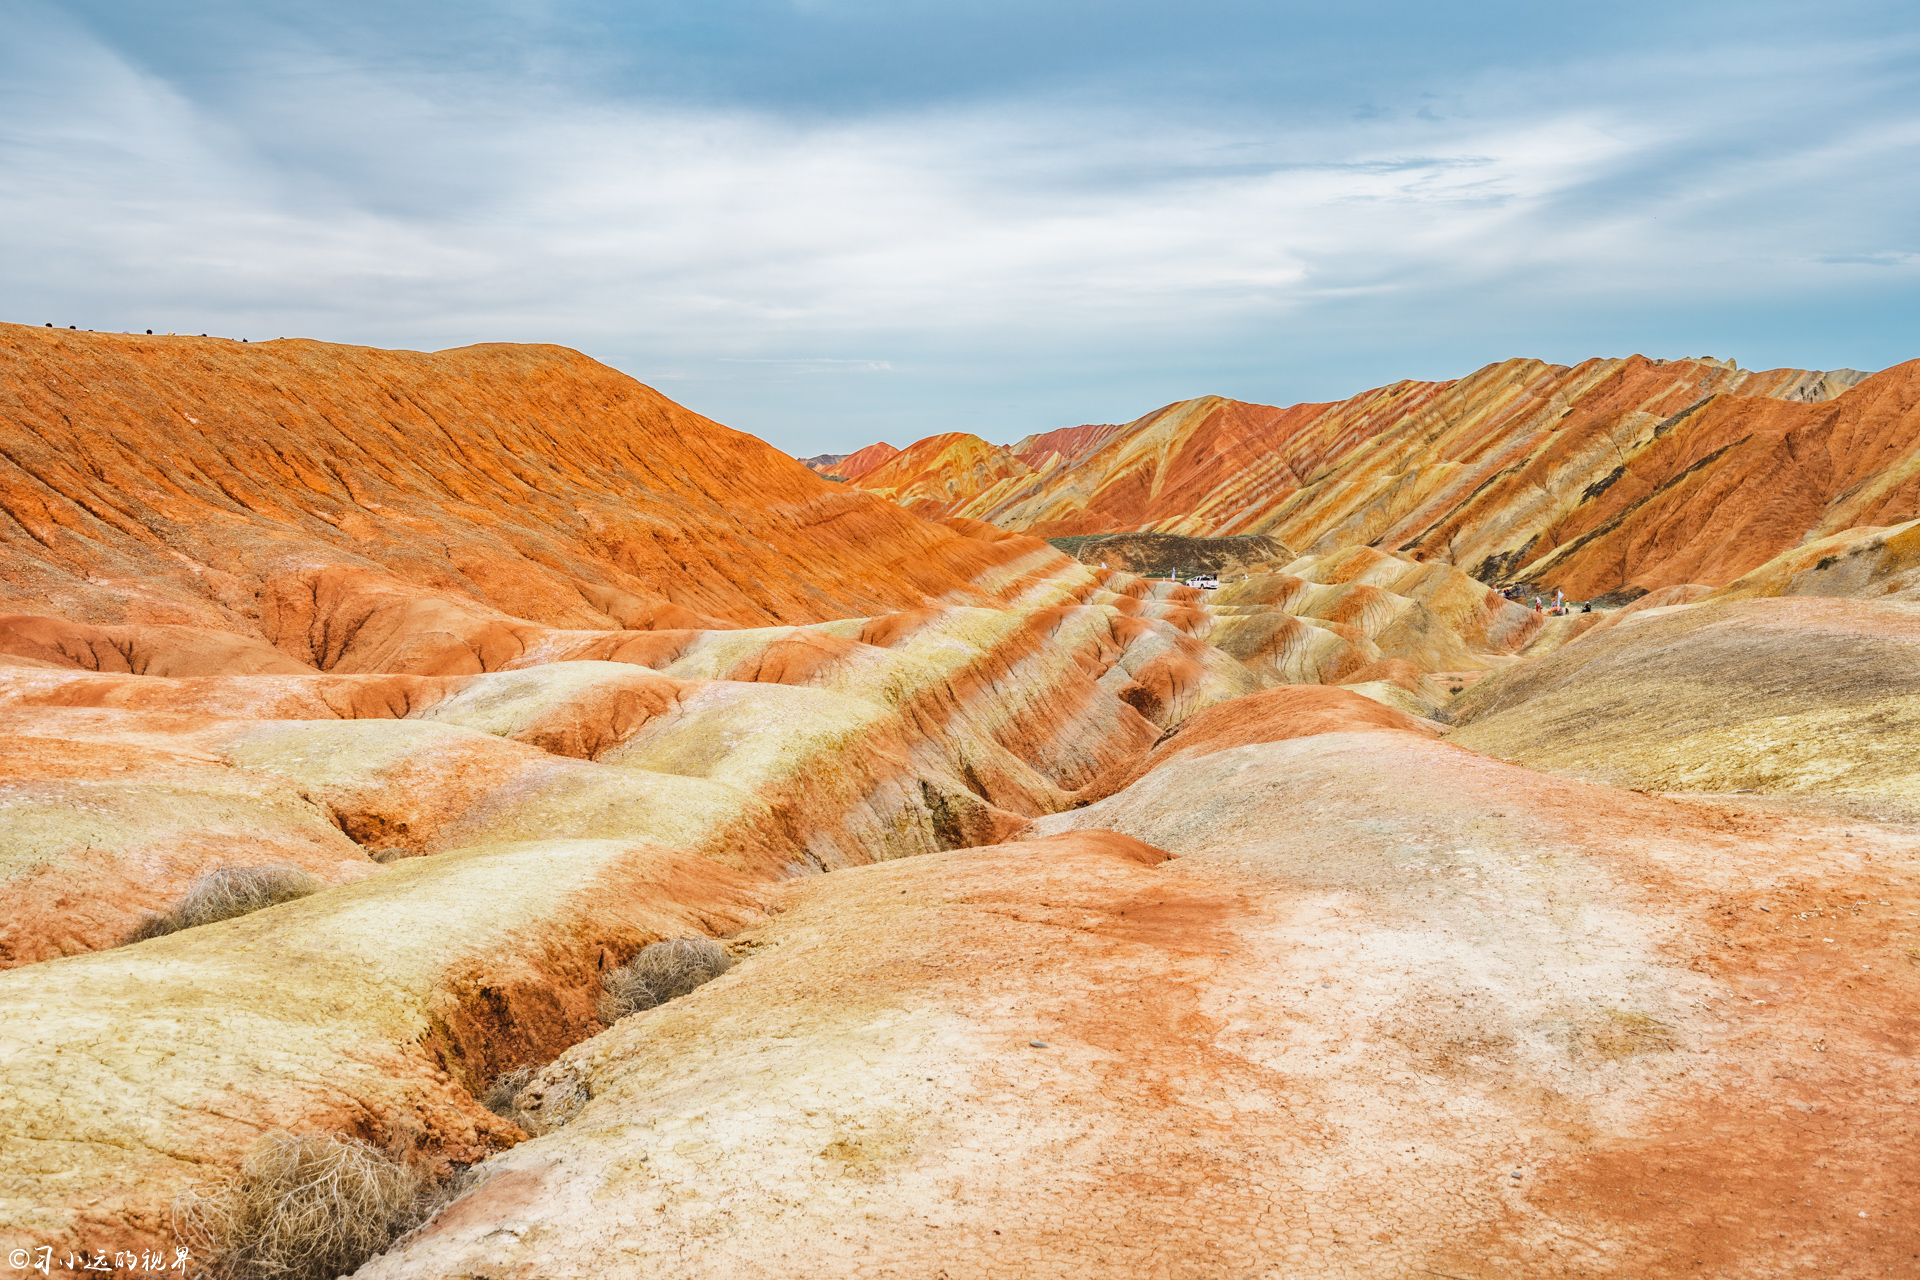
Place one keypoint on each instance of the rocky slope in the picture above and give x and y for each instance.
(1611, 474)
(1082, 921)
(1161, 555)
(850, 466)
(1390, 1008)
(1695, 698)
(391, 510)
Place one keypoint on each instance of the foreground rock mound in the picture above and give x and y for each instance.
(1370, 1021)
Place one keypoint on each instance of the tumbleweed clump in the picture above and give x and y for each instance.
(226, 892)
(307, 1206)
(500, 1097)
(660, 973)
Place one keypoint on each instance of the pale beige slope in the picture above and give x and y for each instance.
(1814, 699)
(1864, 563)
(1383, 977)
(101, 833)
(788, 747)
(1035, 730)
(372, 1009)
(549, 820)
(1579, 981)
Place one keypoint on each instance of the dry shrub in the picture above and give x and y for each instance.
(307, 1206)
(660, 973)
(538, 1099)
(505, 1088)
(501, 1094)
(226, 892)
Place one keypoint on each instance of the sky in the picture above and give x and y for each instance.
(829, 222)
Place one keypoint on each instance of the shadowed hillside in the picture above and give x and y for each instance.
(1158, 555)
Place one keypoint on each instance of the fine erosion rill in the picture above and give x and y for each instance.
(464, 815)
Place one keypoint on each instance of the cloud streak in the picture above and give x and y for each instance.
(1012, 261)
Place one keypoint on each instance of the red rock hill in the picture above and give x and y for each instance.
(1610, 473)
(319, 498)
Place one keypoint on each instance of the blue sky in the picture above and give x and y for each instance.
(835, 221)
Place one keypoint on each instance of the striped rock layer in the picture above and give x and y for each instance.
(483, 635)
(850, 466)
(1082, 921)
(1606, 475)
(391, 510)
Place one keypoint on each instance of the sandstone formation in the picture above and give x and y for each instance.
(1083, 921)
(1160, 555)
(851, 466)
(1336, 619)
(1367, 1021)
(1710, 698)
(1612, 474)
(387, 510)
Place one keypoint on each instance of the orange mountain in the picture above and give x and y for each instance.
(848, 466)
(1061, 900)
(857, 464)
(1609, 474)
(347, 505)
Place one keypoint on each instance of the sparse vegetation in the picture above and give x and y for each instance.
(539, 1100)
(226, 892)
(500, 1095)
(307, 1206)
(660, 973)
(1166, 554)
(505, 1087)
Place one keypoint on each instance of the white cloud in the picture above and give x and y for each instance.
(728, 248)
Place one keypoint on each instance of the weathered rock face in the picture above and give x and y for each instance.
(851, 465)
(1390, 1008)
(387, 510)
(1063, 900)
(1708, 698)
(1609, 474)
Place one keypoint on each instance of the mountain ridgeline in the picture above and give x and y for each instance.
(1616, 475)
